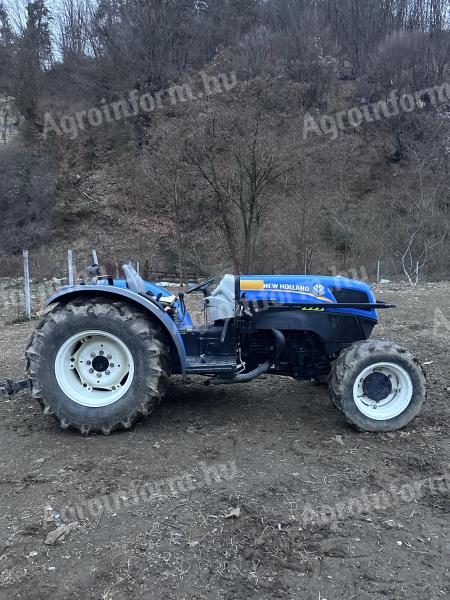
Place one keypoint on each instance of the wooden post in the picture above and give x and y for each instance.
(94, 256)
(138, 268)
(26, 279)
(70, 278)
(378, 271)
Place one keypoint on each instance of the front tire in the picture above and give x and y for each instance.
(378, 385)
(98, 364)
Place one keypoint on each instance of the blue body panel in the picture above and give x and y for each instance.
(294, 289)
(183, 321)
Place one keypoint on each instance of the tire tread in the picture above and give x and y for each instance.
(158, 358)
(348, 360)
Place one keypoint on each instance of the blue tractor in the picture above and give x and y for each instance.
(102, 355)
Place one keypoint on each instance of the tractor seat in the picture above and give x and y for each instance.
(135, 283)
(221, 303)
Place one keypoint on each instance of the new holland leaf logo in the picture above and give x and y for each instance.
(318, 289)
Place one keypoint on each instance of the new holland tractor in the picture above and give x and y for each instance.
(102, 355)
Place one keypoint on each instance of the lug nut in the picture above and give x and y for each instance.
(111, 365)
(99, 374)
(91, 370)
(107, 372)
(88, 362)
(93, 354)
(109, 356)
(101, 353)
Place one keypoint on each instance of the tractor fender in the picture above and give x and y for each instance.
(178, 350)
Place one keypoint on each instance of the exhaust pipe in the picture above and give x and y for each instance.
(261, 369)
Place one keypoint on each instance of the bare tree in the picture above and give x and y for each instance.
(72, 23)
(6, 48)
(425, 226)
(33, 53)
(257, 50)
(168, 179)
(239, 166)
(301, 221)
(418, 254)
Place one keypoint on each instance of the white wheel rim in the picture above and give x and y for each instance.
(94, 368)
(396, 400)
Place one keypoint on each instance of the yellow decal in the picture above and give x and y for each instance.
(318, 297)
(314, 308)
(252, 284)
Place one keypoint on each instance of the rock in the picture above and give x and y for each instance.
(60, 533)
(235, 513)
(51, 516)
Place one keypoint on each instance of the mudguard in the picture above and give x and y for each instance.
(177, 346)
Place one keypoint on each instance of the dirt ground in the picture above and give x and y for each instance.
(290, 451)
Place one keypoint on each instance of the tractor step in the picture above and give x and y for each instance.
(205, 365)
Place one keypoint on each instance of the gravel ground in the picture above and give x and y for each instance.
(300, 482)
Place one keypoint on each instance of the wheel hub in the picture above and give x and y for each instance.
(100, 364)
(377, 386)
(382, 391)
(94, 368)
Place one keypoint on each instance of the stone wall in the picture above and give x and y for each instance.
(9, 119)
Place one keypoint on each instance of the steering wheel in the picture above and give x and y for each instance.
(202, 286)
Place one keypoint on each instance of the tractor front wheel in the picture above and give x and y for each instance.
(97, 364)
(378, 385)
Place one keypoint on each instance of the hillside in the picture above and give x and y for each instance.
(174, 184)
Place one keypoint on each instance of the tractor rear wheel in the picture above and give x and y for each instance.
(98, 364)
(378, 385)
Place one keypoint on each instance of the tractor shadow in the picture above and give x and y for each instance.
(270, 399)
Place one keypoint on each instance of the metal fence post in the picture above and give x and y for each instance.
(26, 280)
(70, 278)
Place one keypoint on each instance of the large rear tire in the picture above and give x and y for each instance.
(97, 364)
(378, 385)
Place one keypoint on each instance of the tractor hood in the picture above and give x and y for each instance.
(309, 289)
